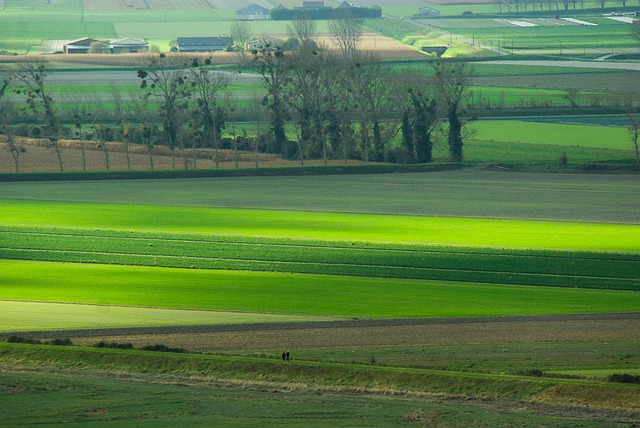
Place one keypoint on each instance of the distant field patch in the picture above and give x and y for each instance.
(44, 5)
(172, 29)
(18, 316)
(114, 4)
(554, 134)
(178, 4)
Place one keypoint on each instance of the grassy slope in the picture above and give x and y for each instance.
(193, 370)
(553, 134)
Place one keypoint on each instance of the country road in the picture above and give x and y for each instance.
(632, 66)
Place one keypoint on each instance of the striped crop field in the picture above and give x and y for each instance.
(516, 284)
(302, 261)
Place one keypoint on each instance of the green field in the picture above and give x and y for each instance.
(475, 297)
(307, 252)
(274, 250)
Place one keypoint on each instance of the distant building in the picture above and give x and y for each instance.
(203, 44)
(253, 12)
(427, 11)
(312, 5)
(346, 5)
(79, 46)
(128, 46)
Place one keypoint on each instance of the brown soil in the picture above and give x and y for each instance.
(364, 333)
(37, 156)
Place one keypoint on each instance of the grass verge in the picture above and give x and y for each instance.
(374, 379)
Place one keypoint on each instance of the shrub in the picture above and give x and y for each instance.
(564, 159)
(61, 342)
(532, 373)
(163, 348)
(623, 378)
(114, 345)
(20, 339)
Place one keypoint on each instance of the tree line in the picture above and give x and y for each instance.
(319, 103)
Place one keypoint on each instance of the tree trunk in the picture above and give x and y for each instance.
(455, 135)
(150, 157)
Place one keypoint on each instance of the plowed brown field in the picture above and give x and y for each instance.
(365, 333)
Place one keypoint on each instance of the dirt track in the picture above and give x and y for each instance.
(441, 331)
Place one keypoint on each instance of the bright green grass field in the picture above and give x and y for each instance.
(299, 294)
(18, 316)
(468, 232)
(552, 134)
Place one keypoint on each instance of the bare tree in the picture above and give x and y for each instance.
(634, 130)
(452, 82)
(304, 30)
(270, 63)
(5, 81)
(635, 30)
(346, 32)
(102, 133)
(120, 116)
(241, 35)
(165, 79)
(206, 87)
(80, 116)
(371, 92)
(31, 78)
(7, 114)
(149, 131)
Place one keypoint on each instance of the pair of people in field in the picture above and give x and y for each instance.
(285, 356)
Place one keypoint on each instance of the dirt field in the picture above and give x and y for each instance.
(36, 157)
(364, 333)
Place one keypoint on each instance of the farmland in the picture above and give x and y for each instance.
(499, 291)
(245, 270)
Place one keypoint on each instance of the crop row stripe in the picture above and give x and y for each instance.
(261, 261)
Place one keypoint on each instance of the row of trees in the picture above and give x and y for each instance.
(339, 104)
(340, 100)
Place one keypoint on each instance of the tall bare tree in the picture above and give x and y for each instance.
(270, 62)
(207, 86)
(32, 82)
(346, 32)
(453, 81)
(165, 79)
(149, 131)
(634, 130)
(371, 92)
(7, 114)
(304, 30)
(80, 117)
(5, 81)
(635, 30)
(241, 35)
